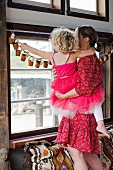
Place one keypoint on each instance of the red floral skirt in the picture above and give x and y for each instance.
(80, 133)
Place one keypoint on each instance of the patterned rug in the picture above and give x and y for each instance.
(44, 155)
(106, 146)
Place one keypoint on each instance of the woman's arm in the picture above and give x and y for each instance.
(43, 54)
(70, 94)
(90, 75)
(80, 54)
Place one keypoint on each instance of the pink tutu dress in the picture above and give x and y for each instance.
(78, 125)
(86, 81)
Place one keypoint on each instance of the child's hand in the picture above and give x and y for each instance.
(23, 46)
(60, 95)
(93, 50)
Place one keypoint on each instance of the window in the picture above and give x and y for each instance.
(95, 9)
(90, 9)
(51, 6)
(30, 91)
(30, 88)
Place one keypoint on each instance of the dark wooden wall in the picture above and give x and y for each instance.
(3, 89)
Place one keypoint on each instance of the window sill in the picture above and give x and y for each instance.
(20, 142)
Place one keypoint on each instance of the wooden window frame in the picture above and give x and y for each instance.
(56, 10)
(102, 16)
(18, 139)
(27, 31)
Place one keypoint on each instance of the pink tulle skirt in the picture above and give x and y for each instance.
(69, 107)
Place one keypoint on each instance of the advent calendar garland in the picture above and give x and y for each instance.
(38, 61)
(25, 54)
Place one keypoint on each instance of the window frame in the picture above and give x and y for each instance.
(83, 14)
(26, 31)
(33, 30)
(38, 8)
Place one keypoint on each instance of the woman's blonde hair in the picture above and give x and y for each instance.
(64, 39)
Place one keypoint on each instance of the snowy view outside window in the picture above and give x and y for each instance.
(30, 91)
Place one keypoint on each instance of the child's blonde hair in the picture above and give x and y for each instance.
(64, 39)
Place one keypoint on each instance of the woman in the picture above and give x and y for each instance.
(88, 38)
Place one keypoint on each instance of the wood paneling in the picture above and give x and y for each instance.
(4, 131)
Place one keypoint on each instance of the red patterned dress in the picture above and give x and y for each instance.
(78, 125)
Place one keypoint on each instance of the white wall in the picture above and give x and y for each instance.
(38, 18)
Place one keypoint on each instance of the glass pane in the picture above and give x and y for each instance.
(89, 5)
(31, 84)
(42, 1)
(27, 116)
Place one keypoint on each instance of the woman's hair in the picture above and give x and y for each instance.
(64, 39)
(88, 31)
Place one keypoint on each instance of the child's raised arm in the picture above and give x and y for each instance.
(80, 54)
(43, 54)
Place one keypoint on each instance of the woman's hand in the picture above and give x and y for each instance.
(60, 95)
(70, 94)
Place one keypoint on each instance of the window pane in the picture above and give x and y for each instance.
(30, 84)
(27, 116)
(42, 1)
(89, 5)
(52, 6)
(30, 91)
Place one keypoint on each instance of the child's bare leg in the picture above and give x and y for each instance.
(102, 129)
(97, 110)
(78, 158)
(93, 161)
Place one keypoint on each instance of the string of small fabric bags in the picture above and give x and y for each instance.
(38, 61)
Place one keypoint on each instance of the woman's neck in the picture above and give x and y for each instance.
(85, 47)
